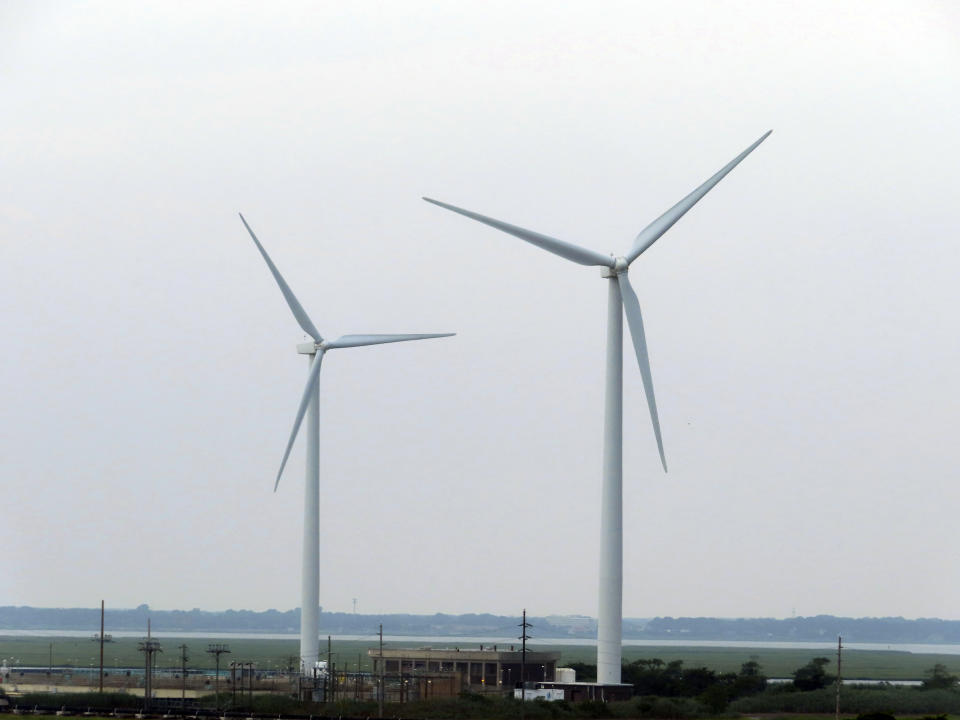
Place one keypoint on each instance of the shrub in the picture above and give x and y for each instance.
(84, 700)
(865, 699)
(671, 708)
(939, 678)
(594, 709)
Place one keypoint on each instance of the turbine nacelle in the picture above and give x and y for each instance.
(620, 266)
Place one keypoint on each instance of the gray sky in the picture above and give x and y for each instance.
(800, 318)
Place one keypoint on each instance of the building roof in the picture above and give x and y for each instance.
(464, 654)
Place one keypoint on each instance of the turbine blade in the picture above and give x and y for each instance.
(308, 393)
(652, 232)
(577, 254)
(298, 312)
(635, 320)
(358, 340)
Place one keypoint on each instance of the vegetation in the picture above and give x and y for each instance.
(466, 707)
(816, 628)
(897, 700)
(701, 694)
(711, 690)
(939, 678)
(867, 703)
(100, 701)
(813, 675)
(274, 654)
(664, 687)
(287, 621)
(747, 691)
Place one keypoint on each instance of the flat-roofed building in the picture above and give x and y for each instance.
(489, 668)
(580, 691)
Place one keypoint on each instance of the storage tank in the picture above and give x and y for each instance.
(566, 675)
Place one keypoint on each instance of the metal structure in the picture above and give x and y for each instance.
(839, 673)
(217, 649)
(523, 659)
(621, 297)
(149, 647)
(310, 406)
(183, 673)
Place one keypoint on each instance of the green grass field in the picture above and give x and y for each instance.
(274, 654)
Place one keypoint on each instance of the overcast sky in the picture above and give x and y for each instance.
(801, 318)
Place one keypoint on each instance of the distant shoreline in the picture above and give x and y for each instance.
(462, 640)
(78, 652)
(821, 629)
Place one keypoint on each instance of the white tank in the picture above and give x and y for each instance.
(566, 675)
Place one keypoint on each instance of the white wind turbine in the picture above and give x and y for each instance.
(620, 295)
(310, 406)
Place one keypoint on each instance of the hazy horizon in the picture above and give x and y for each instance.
(482, 612)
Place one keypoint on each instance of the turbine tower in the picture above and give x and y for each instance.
(620, 296)
(310, 406)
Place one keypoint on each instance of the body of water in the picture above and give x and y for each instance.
(463, 641)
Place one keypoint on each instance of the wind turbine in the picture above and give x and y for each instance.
(621, 296)
(310, 406)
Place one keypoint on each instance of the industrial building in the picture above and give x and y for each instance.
(488, 668)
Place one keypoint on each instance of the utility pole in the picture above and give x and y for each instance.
(331, 684)
(218, 649)
(381, 689)
(523, 663)
(148, 647)
(101, 646)
(183, 675)
(839, 673)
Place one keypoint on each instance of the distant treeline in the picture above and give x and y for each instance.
(288, 621)
(818, 628)
(805, 629)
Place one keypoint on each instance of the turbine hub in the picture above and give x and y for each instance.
(620, 265)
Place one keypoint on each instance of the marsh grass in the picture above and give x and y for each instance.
(83, 655)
